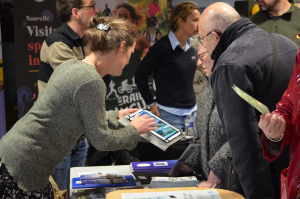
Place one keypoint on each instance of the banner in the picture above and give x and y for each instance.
(31, 26)
(122, 91)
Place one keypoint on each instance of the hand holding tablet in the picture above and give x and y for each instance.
(143, 123)
(163, 130)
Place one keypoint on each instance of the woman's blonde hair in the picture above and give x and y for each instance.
(182, 10)
(108, 40)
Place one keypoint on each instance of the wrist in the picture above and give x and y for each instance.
(153, 103)
(274, 139)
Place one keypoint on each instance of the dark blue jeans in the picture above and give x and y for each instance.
(76, 158)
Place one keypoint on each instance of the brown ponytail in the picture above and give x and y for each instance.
(108, 40)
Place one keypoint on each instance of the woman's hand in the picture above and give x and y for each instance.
(126, 111)
(182, 169)
(154, 109)
(272, 125)
(212, 182)
(143, 123)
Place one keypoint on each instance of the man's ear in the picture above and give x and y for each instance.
(216, 35)
(75, 13)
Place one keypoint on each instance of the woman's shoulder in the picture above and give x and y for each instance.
(163, 44)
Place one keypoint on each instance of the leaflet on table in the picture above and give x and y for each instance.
(96, 173)
(104, 181)
(166, 182)
(164, 165)
(253, 102)
(192, 194)
(100, 176)
(77, 183)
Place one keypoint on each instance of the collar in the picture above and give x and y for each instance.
(174, 42)
(69, 31)
(229, 35)
(289, 11)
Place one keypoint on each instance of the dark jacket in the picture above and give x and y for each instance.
(244, 57)
(288, 24)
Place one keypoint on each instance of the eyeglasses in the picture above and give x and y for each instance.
(201, 40)
(93, 6)
(201, 56)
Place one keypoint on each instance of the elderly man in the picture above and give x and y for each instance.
(243, 55)
(278, 16)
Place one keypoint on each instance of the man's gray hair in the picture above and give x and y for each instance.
(220, 20)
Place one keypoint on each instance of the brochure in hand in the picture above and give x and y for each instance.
(253, 102)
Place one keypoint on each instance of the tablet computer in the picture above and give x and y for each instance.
(164, 131)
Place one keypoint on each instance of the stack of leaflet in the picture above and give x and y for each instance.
(165, 182)
(103, 179)
(144, 171)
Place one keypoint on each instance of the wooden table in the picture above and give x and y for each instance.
(225, 194)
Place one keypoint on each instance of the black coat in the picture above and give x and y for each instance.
(244, 57)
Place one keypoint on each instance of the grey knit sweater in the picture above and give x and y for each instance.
(214, 149)
(72, 103)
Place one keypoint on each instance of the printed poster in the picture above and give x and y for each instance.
(122, 91)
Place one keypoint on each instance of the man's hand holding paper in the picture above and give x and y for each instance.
(253, 102)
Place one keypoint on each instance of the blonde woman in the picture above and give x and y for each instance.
(173, 62)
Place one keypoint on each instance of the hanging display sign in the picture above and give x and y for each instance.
(122, 91)
(32, 27)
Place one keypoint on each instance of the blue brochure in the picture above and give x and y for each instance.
(76, 183)
(153, 166)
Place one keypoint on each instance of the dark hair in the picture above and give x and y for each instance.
(182, 10)
(108, 40)
(64, 8)
(136, 19)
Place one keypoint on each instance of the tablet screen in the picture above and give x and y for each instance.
(164, 130)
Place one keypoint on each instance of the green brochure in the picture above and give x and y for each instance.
(253, 102)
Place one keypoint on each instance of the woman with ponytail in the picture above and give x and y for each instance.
(72, 103)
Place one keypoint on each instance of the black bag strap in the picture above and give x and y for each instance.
(274, 67)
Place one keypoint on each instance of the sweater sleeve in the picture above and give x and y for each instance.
(193, 160)
(218, 161)
(89, 99)
(153, 59)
